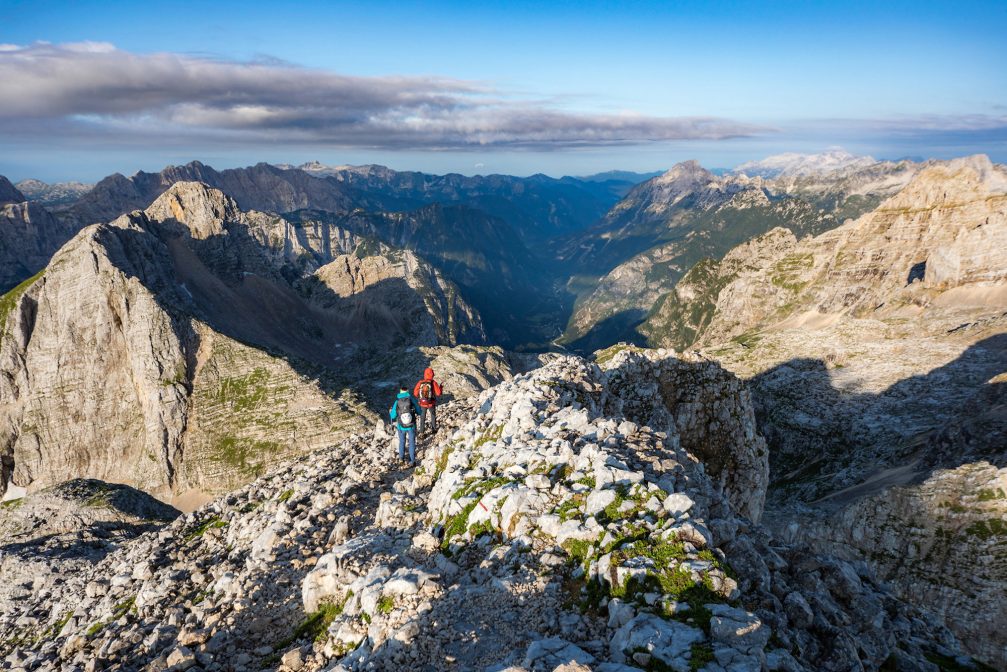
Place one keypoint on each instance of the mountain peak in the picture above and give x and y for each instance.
(690, 168)
(9, 193)
(793, 164)
(201, 208)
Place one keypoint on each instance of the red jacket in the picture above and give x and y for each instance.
(428, 375)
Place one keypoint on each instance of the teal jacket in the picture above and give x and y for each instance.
(393, 412)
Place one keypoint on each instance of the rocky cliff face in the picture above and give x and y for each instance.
(171, 352)
(679, 317)
(658, 232)
(939, 242)
(29, 235)
(432, 312)
(548, 528)
(880, 344)
(483, 255)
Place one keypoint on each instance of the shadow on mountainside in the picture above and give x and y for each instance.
(79, 519)
(228, 283)
(618, 328)
(829, 446)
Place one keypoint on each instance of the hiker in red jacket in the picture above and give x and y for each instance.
(427, 391)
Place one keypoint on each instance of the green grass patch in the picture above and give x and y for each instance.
(54, 629)
(285, 496)
(244, 455)
(12, 503)
(988, 529)
(442, 460)
(385, 604)
(701, 655)
(605, 356)
(123, 607)
(457, 524)
(579, 550)
(9, 300)
(244, 392)
(479, 487)
(785, 272)
(569, 509)
(749, 339)
(988, 494)
(492, 434)
(198, 531)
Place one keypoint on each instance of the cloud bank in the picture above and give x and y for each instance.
(93, 89)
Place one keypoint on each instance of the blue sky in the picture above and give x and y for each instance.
(518, 87)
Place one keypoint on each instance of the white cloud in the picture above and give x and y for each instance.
(91, 88)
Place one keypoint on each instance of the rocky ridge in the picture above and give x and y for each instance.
(59, 194)
(175, 333)
(882, 344)
(549, 527)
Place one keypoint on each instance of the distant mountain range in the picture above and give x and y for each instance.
(581, 258)
(53, 195)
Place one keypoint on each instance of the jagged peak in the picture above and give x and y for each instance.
(201, 208)
(9, 193)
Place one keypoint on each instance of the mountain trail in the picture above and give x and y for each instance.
(575, 517)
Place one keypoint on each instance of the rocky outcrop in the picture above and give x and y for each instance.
(68, 528)
(941, 543)
(874, 353)
(406, 291)
(29, 235)
(681, 316)
(941, 241)
(171, 352)
(544, 530)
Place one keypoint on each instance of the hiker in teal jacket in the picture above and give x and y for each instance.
(405, 412)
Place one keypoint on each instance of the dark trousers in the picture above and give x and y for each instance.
(428, 413)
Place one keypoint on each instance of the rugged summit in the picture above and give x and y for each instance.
(572, 518)
(171, 351)
(883, 344)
